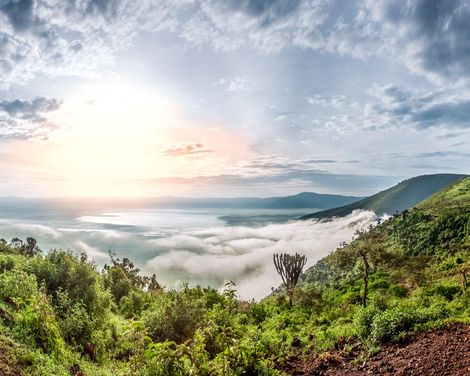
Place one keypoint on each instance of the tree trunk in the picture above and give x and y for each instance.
(289, 297)
(463, 273)
(366, 280)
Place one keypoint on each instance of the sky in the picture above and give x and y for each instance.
(230, 98)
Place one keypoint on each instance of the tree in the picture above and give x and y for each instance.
(122, 276)
(31, 247)
(463, 268)
(289, 268)
(16, 243)
(368, 249)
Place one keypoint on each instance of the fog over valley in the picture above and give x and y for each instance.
(197, 246)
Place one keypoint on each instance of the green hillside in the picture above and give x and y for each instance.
(311, 200)
(60, 315)
(397, 198)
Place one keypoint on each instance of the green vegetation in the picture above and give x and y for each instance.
(60, 315)
(310, 200)
(400, 197)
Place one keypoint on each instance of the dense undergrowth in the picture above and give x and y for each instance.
(61, 315)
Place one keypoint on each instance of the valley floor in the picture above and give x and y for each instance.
(438, 352)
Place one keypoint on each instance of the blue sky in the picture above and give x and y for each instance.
(230, 98)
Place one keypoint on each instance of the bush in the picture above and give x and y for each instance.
(75, 324)
(37, 324)
(64, 271)
(399, 291)
(17, 286)
(446, 290)
(7, 262)
(395, 324)
(363, 320)
(134, 303)
(174, 317)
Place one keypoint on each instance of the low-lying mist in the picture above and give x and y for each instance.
(209, 256)
(244, 255)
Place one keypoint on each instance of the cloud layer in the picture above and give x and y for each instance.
(207, 256)
(244, 255)
(56, 37)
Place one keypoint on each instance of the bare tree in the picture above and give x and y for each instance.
(289, 268)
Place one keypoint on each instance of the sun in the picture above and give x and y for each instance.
(112, 130)
(115, 138)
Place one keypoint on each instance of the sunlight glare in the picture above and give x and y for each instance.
(113, 130)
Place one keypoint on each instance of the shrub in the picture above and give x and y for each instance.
(446, 290)
(7, 262)
(395, 324)
(17, 286)
(134, 303)
(37, 324)
(399, 291)
(172, 317)
(62, 270)
(75, 323)
(363, 320)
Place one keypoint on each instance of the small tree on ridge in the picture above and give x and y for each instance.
(289, 268)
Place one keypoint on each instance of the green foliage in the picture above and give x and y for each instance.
(397, 323)
(122, 277)
(37, 324)
(75, 323)
(174, 316)
(134, 303)
(54, 305)
(17, 286)
(399, 291)
(62, 271)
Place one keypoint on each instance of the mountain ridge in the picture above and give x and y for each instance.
(404, 195)
(307, 200)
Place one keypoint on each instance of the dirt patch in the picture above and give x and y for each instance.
(440, 352)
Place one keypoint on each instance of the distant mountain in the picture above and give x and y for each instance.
(402, 196)
(304, 200)
(73, 206)
(311, 200)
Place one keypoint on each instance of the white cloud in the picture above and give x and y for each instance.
(398, 106)
(235, 84)
(334, 101)
(55, 37)
(206, 256)
(244, 255)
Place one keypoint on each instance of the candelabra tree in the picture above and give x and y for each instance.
(289, 268)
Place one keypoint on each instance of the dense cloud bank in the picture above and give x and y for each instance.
(208, 256)
(244, 255)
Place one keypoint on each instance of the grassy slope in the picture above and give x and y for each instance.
(397, 198)
(311, 200)
(454, 196)
(443, 206)
(415, 282)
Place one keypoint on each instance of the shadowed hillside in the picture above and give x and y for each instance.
(311, 200)
(400, 197)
